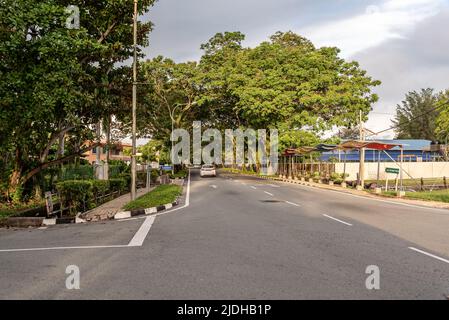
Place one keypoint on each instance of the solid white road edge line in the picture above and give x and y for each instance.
(429, 254)
(253, 187)
(327, 216)
(134, 241)
(63, 248)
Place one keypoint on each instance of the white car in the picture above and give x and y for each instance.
(208, 170)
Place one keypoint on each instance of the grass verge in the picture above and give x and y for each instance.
(160, 195)
(436, 195)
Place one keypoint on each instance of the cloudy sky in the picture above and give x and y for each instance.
(403, 43)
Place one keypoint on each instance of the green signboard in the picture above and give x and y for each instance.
(392, 170)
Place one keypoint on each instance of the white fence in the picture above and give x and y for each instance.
(414, 169)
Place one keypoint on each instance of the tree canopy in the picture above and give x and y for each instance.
(418, 114)
(58, 82)
(284, 83)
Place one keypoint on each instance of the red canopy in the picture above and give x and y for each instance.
(368, 145)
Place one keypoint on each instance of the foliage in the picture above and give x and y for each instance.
(56, 83)
(180, 174)
(117, 184)
(285, 83)
(416, 116)
(99, 187)
(338, 177)
(154, 175)
(163, 194)
(75, 194)
(70, 172)
(442, 122)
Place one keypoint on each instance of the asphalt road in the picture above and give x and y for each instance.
(235, 237)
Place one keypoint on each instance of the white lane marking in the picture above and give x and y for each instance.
(213, 186)
(292, 203)
(141, 234)
(273, 185)
(327, 216)
(429, 254)
(253, 187)
(270, 194)
(63, 248)
(130, 244)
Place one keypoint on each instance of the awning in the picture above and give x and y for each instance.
(325, 147)
(298, 151)
(373, 145)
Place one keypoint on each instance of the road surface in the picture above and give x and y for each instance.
(235, 237)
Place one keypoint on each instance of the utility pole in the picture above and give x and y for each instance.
(134, 108)
(362, 154)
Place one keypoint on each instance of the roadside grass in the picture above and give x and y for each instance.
(436, 195)
(412, 182)
(160, 195)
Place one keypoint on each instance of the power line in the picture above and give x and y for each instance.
(412, 119)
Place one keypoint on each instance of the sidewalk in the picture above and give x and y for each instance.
(109, 209)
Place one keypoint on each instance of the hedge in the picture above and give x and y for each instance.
(82, 195)
(117, 184)
(76, 195)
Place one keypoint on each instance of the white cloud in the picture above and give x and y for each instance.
(392, 19)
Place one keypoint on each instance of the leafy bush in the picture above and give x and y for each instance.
(117, 184)
(154, 175)
(70, 172)
(338, 177)
(180, 174)
(75, 194)
(126, 177)
(99, 187)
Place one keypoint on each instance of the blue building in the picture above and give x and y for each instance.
(414, 151)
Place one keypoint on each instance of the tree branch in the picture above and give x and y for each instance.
(45, 165)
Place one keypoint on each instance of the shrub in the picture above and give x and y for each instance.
(126, 177)
(70, 172)
(154, 175)
(117, 184)
(180, 174)
(99, 187)
(75, 194)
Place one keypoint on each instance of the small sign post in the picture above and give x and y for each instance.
(394, 171)
(48, 203)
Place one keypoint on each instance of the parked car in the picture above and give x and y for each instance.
(208, 170)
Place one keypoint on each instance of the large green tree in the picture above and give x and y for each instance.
(57, 82)
(416, 116)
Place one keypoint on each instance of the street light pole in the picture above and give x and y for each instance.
(172, 116)
(362, 154)
(134, 109)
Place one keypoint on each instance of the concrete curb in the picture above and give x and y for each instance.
(24, 222)
(54, 221)
(147, 211)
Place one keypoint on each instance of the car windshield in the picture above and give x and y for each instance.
(208, 167)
